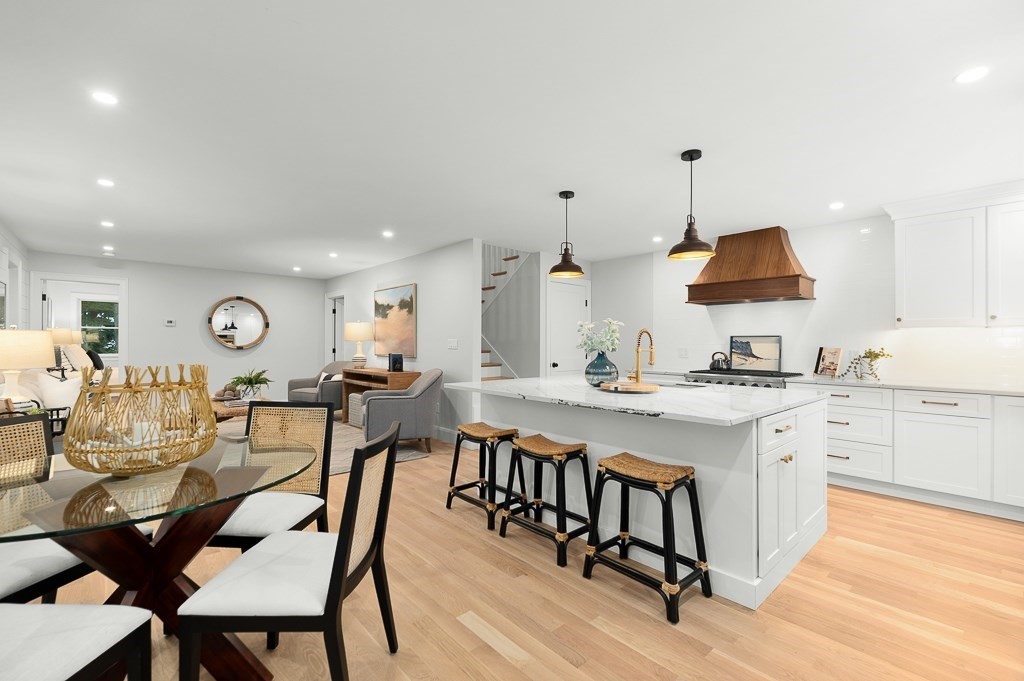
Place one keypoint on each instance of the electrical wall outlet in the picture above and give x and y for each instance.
(682, 353)
(170, 322)
(453, 343)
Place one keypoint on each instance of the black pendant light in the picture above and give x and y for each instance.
(566, 268)
(691, 247)
(225, 320)
(233, 327)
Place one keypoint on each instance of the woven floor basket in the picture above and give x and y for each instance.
(145, 424)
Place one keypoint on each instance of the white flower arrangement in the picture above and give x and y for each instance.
(605, 340)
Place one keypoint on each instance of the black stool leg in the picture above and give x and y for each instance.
(455, 468)
(492, 483)
(670, 586)
(593, 539)
(522, 488)
(698, 536)
(561, 536)
(482, 460)
(586, 484)
(507, 506)
(538, 490)
(623, 521)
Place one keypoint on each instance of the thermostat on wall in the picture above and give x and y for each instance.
(170, 322)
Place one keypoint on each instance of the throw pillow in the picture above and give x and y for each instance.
(77, 356)
(325, 377)
(94, 356)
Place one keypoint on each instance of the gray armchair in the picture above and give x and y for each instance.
(415, 407)
(306, 390)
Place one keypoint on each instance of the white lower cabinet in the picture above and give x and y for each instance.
(776, 499)
(859, 459)
(951, 454)
(1008, 452)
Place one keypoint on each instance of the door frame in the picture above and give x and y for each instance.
(545, 332)
(330, 329)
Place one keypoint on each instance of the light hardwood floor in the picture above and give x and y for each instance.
(895, 590)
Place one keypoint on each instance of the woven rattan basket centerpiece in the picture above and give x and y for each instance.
(145, 424)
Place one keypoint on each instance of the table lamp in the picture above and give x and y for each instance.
(358, 332)
(22, 350)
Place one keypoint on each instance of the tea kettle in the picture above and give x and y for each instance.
(723, 364)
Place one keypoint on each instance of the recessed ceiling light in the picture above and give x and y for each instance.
(106, 223)
(387, 234)
(108, 98)
(108, 248)
(109, 253)
(656, 239)
(972, 75)
(296, 269)
(865, 230)
(104, 182)
(332, 255)
(836, 205)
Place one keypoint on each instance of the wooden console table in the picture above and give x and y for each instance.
(361, 380)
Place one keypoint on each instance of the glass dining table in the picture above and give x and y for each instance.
(95, 517)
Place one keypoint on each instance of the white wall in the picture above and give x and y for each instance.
(448, 308)
(854, 309)
(14, 273)
(623, 289)
(292, 349)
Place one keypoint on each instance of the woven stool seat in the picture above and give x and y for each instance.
(538, 445)
(483, 431)
(641, 469)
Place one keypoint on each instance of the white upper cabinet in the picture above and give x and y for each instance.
(960, 258)
(1005, 233)
(940, 270)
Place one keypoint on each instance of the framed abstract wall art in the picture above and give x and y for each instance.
(394, 321)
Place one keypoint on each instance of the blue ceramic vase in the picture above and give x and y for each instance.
(601, 370)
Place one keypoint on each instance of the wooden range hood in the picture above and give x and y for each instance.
(752, 267)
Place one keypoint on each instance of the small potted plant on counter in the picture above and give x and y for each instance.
(865, 365)
(601, 369)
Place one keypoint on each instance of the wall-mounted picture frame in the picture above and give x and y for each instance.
(828, 362)
(756, 353)
(394, 321)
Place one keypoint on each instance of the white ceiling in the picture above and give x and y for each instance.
(262, 135)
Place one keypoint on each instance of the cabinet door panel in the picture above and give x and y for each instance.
(1005, 230)
(1008, 459)
(776, 499)
(940, 270)
(950, 454)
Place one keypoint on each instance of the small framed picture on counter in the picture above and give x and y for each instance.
(828, 362)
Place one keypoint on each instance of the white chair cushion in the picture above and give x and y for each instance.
(57, 393)
(286, 574)
(76, 356)
(52, 642)
(264, 513)
(24, 563)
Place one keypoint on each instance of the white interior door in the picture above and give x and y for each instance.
(568, 303)
(339, 329)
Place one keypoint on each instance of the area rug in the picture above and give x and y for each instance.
(344, 440)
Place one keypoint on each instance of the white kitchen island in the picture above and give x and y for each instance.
(759, 455)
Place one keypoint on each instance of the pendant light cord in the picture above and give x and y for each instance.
(567, 220)
(689, 218)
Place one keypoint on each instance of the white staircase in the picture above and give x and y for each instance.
(499, 265)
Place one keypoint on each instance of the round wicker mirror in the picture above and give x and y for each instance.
(238, 323)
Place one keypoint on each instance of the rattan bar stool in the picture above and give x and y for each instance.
(543, 451)
(662, 479)
(489, 438)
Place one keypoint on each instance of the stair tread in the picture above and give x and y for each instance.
(488, 288)
(510, 257)
(499, 274)
(490, 364)
(496, 378)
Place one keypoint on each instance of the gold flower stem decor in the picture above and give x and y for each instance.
(145, 424)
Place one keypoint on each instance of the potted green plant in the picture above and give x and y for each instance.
(251, 384)
(865, 364)
(601, 369)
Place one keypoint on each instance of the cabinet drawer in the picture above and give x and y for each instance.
(776, 430)
(873, 426)
(858, 459)
(849, 396)
(950, 404)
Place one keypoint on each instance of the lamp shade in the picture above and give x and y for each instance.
(358, 331)
(25, 349)
(62, 336)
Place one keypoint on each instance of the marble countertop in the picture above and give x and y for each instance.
(718, 405)
(995, 387)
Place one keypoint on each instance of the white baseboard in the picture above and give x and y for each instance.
(982, 506)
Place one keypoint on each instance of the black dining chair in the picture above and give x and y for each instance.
(298, 581)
